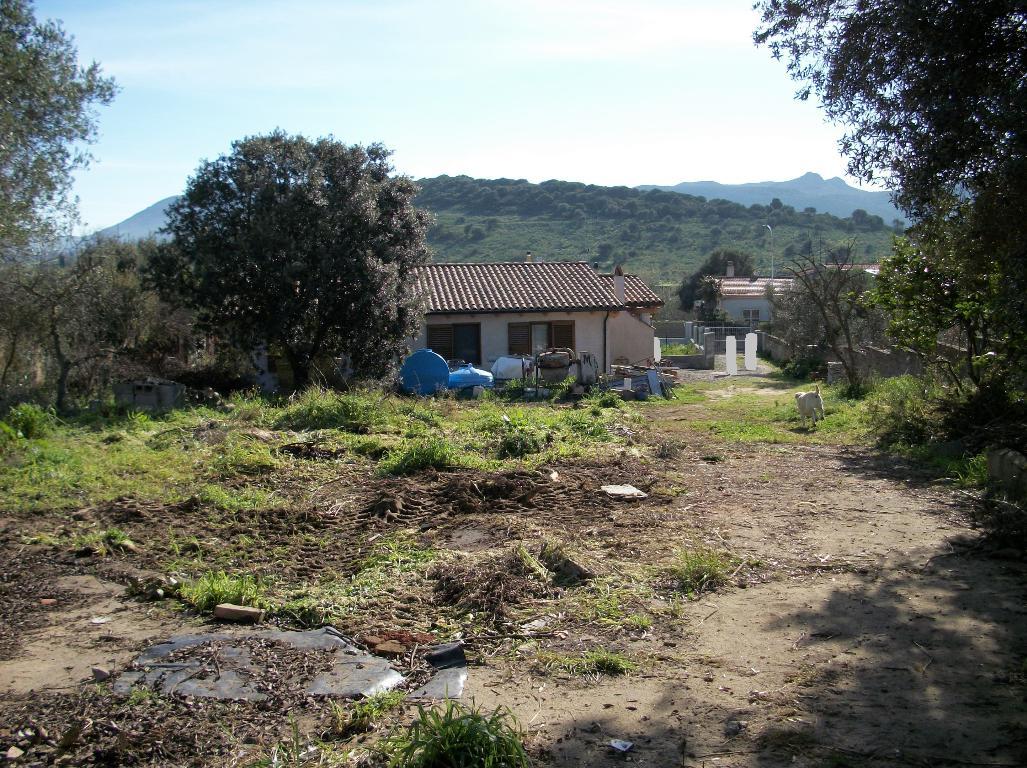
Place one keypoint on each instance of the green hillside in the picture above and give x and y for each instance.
(656, 234)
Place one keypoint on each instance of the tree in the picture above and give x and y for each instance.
(935, 97)
(933, 92)
(47, 117)
(84, 316)
(308, 246)
(830, 306)
(692, 289)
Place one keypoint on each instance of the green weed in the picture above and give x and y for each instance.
(430, 453)
(457, 735)
(242, 456)
(234, 499)
(362, 716)
(700, 570)
(215, 587)
(103, 543)
(590, 663)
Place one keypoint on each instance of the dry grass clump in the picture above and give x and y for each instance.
(490, 585)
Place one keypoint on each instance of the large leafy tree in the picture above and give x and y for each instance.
(934, 95)
(697, 286)
(47, 117)
(308, 246)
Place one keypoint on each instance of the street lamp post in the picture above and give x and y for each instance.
(771, 250)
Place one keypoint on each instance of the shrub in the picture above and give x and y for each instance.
(430, 453)
(458, 736)
(604, 399)
(316, 408)
(903, 410)
(802, 367)
(30, 421)
(362, 716)
(586, 425)
(213, 588)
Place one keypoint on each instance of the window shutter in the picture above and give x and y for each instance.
(440, 340)
(519, 338)
(563, 334)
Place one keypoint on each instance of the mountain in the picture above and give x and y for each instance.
(656, 234)
(141, 225)
(811, 190)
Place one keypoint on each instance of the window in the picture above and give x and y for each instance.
(751, 316)
(459, 341)
(532, 338)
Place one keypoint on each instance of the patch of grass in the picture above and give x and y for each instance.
(458, 736)
(140, 695)
(687, 395)
(215, 587)
(362, 716)
(242, 456)
(520, 439)
(234, 499)
(103, 543)
(30, 421)
(607, 604)
(586, 425)
(700, 570)
(360, 412)
(589, 663)
(430, 453)
(603, 399)
(691, 348)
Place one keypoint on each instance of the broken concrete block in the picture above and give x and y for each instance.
(230, 612)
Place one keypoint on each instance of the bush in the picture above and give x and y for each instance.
(459, 737)
(904, 411)
(519, 439)
(359, 412)
(802, 367)
(30, 421)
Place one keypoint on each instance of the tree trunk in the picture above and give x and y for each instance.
(300, 365)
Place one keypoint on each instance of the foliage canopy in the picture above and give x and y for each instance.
(308, 246)
(46, 117)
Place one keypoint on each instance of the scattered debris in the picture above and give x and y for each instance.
(100, 674)
(623, 492)
(621, 746)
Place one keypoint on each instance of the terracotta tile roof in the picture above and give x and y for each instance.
(741, 287)
(541, 286)
(636, 293)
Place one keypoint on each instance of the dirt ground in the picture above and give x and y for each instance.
(864, 623)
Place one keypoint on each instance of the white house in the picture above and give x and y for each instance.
(480, 312)
(744, 299)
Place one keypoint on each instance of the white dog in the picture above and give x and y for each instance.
(810, 404)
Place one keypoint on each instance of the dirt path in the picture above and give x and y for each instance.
(879, 638)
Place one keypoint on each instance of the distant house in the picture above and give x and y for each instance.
(480, 312)
(744, 299)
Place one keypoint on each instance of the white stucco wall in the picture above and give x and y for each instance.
(734, 305)
(630, 337)
(627, 335)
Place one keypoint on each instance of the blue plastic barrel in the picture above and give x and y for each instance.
(467, 376)
(424, 373)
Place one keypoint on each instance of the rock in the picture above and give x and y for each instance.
(100, 674)
(390, 648)
(230, 612)
(48, 601)
(14, 753)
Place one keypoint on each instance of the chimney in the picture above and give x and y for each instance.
(730, 269)
(618, 284)
(528, 258)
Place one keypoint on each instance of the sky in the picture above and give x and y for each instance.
(613, 93)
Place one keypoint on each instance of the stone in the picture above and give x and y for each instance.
(48, 601)
(14, 753)
(623, 492)
(230, 612)
(100, 674)
(390, 648)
